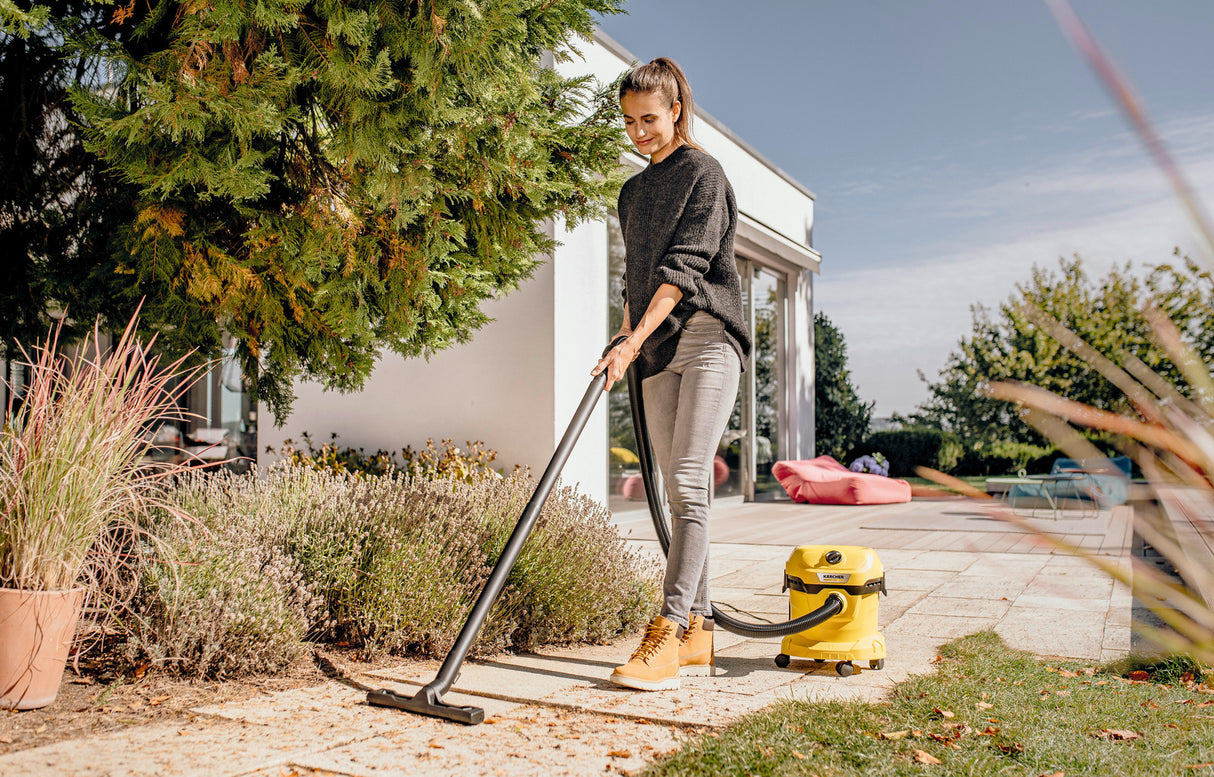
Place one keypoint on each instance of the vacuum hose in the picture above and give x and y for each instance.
(834, 602)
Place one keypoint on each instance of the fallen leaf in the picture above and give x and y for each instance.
(926, 758)
(989, 731)
(142, 669)
(1150, 705)
(492, 721)
(619, 754)
(1205, 765)
(1139, 676)
(1118, 734)
(1062, 693)
(800, 756)
(937, 659)
(82, 681)
(893, 735)
(436, 744)
(982, 705)
(158, 700)
(1053, 774)
(1065, 673)
(944, 713)
(1011, 748)
(6, 740)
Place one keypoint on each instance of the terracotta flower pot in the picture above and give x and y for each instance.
(36, 629)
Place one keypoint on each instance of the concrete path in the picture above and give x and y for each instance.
(556, 713)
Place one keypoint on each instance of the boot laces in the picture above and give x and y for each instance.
(655, 637)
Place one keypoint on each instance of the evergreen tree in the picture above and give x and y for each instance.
(324, 179)
(841, 420)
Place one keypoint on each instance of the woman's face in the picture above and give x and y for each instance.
(649, 123)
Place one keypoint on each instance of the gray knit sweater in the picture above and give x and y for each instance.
(678, 217)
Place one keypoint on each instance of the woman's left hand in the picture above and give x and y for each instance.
(615, 363)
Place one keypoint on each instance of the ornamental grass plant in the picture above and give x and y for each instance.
(70, 454)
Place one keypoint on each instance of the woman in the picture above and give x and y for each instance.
(684, 324)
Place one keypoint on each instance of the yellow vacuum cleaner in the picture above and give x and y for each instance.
(813, 575)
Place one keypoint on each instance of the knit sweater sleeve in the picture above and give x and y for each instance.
(697, 237)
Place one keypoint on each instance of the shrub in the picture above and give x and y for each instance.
(227, 604)
(389, 563)
(1006, 457)
(467, 464)
(915, 447)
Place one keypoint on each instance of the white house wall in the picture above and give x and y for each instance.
(517, 383)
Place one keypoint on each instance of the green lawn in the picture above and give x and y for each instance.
(988, 710)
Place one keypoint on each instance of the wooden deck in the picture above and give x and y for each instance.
(944, 524)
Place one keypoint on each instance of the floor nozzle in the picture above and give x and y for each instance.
(427, 702)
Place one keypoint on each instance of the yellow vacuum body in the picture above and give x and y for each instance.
(855, 574)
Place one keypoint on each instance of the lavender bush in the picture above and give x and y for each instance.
(390, 563)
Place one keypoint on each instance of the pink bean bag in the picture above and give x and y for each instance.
(824, 481)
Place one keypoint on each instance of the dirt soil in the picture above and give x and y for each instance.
(93, 700)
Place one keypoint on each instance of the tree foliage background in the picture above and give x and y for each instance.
(1108, 314)
(320, 180)
(841, 419)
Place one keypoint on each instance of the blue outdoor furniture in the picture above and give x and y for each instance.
(1104, 481)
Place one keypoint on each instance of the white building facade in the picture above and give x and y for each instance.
(516, 385)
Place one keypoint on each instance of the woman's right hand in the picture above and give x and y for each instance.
(616, 362)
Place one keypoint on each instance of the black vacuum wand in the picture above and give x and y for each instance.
(429, 700)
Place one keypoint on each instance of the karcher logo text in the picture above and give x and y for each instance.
(832, 577)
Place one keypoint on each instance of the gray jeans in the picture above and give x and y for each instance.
(687, 406)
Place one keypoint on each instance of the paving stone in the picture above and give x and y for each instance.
(685, 707)
(1061, 602)
(201, 748)
(1049, 632)
(752, 552)
(970, 608)
(942, 626)
(751, 577)
(530, 741)
(524, 677)
(944, 561)
(981, 588)
(1116, 638)
(913, 580)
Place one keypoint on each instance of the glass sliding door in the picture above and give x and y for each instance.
(768, 295)
(626, 491)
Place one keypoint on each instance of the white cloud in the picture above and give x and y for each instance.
(1108, 204)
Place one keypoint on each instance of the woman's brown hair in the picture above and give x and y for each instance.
(663, 76)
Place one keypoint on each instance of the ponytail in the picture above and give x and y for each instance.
(663, 76)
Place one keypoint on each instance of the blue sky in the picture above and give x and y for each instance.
(952, 145)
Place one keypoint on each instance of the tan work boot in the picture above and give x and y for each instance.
(654, 665)
(696, 657)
